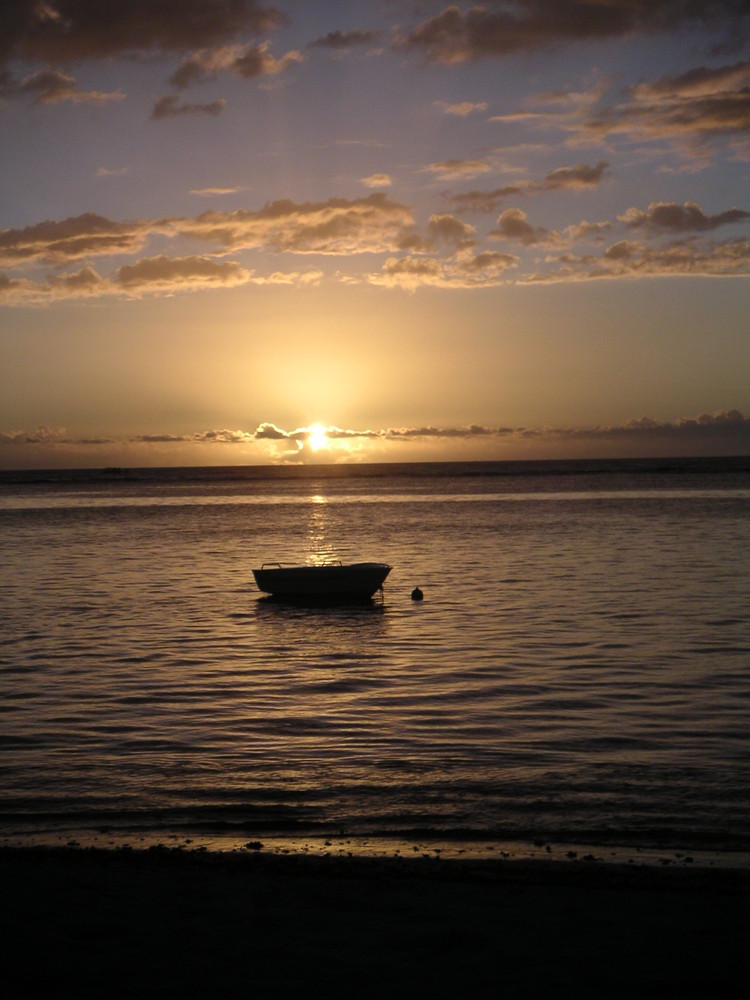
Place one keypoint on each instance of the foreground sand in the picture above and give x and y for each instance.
(175, 923)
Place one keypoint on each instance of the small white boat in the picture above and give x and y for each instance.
(331, 581)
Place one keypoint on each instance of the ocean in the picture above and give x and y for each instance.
(576, 679)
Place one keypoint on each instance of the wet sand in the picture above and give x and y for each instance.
(167, 923)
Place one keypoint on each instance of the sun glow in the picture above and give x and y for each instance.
(317, 437)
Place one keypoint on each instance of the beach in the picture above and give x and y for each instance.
(170, 922)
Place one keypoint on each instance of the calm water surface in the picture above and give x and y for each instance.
(578, 671)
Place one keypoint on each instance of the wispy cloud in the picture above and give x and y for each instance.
(49, 86)
(170, 106)
(696, 108)
(451, 170)
(579, 177)
(461, 109)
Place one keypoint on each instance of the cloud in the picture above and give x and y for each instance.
(447, 229)
(466, 270)
(69, 31)
(572, 178)
(462, 109)
(483, 201)
(167, 274)
(721, 432)
(77, 236)
(247, 62)
(675, 218)
(338, 226)
(149, 276)
(698, 108)
(377, 181)
(47, 86)
(169, 106)
(498, 29)
(344, 40)
(210, 192)
(513, 225)
(631, 259)
(449, 170)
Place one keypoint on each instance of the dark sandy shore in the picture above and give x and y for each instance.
(176, 923)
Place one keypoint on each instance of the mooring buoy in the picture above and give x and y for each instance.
(416, 594)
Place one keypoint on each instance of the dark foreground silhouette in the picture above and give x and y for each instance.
(173, 923)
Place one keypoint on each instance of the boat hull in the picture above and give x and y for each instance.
(357, 581)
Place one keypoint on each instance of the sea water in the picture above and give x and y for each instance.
(578, 671)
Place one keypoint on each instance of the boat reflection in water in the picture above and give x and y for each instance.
(333, 582)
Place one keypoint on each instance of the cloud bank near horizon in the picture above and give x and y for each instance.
(726, 430)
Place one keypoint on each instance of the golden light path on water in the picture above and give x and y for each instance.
(428, 849)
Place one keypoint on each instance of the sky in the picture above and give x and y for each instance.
(237, 232)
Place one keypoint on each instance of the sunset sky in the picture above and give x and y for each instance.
(248, 232)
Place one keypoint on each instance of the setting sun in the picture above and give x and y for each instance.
(317, 437)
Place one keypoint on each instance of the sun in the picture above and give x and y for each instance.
(316, 437)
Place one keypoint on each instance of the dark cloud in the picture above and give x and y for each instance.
(483, 201)
(672, 217)
(77, 236)
(246, 62)
(575, 178)
(344, 39)
(513, 225)
(499, 29)
(170, 106)
(179, 273)
(699, 106)
(67, 31)
(580, 176)
(48, 86)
